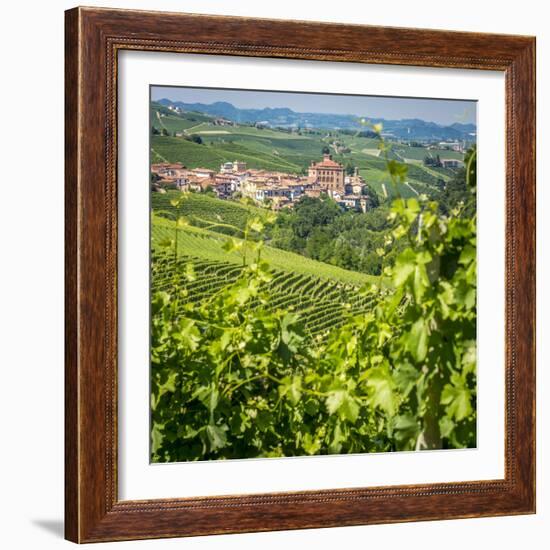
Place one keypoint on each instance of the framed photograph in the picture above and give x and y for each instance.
(300, 275)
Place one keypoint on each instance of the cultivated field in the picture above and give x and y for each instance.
(323, 294)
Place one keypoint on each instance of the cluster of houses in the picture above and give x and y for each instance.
(278, 189)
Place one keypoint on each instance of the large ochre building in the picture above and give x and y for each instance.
(328, 174)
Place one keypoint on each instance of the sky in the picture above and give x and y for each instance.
(441, 111)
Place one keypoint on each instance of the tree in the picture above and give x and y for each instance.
(196, 139)
(460, 190)
(374, 200)
(154, 131)
(165, 132)
(325, 150)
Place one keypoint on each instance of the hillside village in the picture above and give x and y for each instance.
(276, 165)
(276, 189)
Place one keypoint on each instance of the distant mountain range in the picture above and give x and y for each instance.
(283, 117)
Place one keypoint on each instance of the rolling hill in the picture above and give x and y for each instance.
(323, 294)
(283, 117)
(291, 152)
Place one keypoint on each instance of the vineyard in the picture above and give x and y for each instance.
(323, 294)
(205, 244)
(321, 302)
(253, 360)
(205, 211)
(259, 351)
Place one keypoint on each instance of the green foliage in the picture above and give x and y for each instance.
(459, 195)
(235, 377)
(236, 370)
(321, 230)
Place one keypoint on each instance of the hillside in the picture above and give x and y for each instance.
(290, 152)
(324, 295)
(204, 211)
(283, 117)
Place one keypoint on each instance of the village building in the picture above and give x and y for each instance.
(452, 145)
(226, 184)
(328, 173)
(451, 163)
(203, 173)
(313, 191)
(166, 169)
(353, 185)
(233, 167)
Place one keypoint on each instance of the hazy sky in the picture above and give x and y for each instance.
(442, 111)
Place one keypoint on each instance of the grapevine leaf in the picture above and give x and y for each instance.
(417, 340)
(457, 399)
(216, 437)
(381, 389)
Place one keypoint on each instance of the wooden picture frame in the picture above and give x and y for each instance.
(93, 511)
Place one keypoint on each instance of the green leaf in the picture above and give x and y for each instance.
(216, 437)
(467, 255)
(310, 444)
(225, 339)
(405, 428)
(166, 243)
(156, 438)
(405, 377)
(417, 340)
(213, 401)
(398, 169)
(341, 402)
(291, 388)
(189, 334)
(349, 409)
(446, 426)
(457, 399)
(421, 282)
(381, 389)
(404, 267)
(334, 400)
(292, 336)
(190, 274)
(256, 225)
(311, 407)
(232, 245)
(338, 438)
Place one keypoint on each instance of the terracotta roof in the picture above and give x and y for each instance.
(327, 162)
